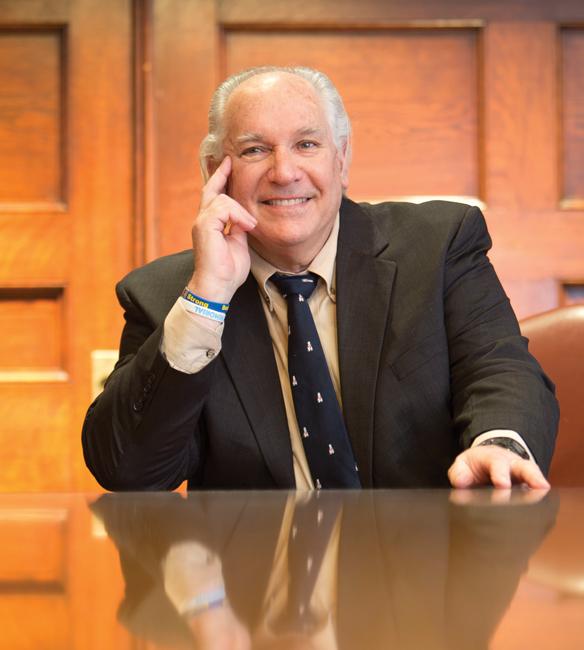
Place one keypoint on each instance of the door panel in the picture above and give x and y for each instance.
(65, 223)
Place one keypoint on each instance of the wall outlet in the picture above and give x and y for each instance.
(102, 363)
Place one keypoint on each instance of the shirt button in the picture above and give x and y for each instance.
(210, 354)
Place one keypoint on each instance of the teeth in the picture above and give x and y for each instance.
(286, 201)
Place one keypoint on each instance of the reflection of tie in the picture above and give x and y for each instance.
(308, 541)
(326, 442)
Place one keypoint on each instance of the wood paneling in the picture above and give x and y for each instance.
(520, 116)
(572, 292)
(33, 549)
(34, 318)
(185, 45)
(417, 134)
(66, 201)
(60, 583)
(46, 626)
(31, 138)
(449, 98)
(378, 12)
(572, 44)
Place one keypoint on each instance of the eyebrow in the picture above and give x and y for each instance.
(246, 138)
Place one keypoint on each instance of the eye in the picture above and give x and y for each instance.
(307, 145)
(250, 152)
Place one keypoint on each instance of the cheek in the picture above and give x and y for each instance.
(242, 183)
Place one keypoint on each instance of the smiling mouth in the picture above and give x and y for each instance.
(286, 202)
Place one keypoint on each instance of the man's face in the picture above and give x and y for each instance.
(286, 170)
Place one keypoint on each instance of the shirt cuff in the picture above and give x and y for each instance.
(189, 341)
(193, 578)
(503, 433)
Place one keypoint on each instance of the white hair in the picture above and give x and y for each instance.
(340, 125)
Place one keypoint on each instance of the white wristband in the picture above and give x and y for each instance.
(194, 308)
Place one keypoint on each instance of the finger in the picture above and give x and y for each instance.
(501, 496)
(460, 475)
(528, 497)
(500, 472)
(465, 497)
(217, 182)
(222, 213)
(236, 218)
(529, 473)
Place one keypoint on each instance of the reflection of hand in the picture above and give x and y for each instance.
(220, 240)
(494, 465)
(501, 497)
(219, 629)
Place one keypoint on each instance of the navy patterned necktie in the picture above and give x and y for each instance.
(320, 421)
(308, 542)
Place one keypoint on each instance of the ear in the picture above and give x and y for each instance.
(344, 156)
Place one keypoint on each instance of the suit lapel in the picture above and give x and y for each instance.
(365, 278)
(248, 354)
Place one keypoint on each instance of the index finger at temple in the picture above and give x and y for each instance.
(217, 181)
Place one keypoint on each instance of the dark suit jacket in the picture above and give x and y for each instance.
(430, 356)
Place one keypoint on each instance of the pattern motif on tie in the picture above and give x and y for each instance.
(308, 541)
(320, 421)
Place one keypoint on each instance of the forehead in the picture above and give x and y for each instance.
(274, 102)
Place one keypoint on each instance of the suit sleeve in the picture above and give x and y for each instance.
(143, 432)
(496, 383)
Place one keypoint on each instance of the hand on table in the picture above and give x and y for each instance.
(491, 465)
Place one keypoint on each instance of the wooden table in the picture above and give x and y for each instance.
(415, 569)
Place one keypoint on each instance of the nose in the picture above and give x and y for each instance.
(284, 169)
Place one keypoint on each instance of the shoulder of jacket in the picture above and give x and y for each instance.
(435, 214)
(168, 266)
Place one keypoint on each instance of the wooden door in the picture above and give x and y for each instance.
(480, 101)
(65, 223)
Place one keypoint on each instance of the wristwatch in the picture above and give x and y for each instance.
(506, 443)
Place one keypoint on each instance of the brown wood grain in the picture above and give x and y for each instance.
(186, 72)
(417, 132)
(34, 318)
(60, 580)
(376, 12)
(26, 564)
(65, 224)
(453, 97)
(447, 98)
(31, 139)
(572, 107)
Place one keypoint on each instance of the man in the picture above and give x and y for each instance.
(430, 380)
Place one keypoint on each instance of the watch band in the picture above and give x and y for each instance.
(506, 443)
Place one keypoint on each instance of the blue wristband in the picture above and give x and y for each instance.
(205, 304)
(203, 602)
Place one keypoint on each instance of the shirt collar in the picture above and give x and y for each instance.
(323, 265)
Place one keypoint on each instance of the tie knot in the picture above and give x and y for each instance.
(293, 285)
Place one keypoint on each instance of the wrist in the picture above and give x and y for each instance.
(200, 305)
(210, 290)
(506, 443)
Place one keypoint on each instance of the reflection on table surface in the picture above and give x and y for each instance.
(415, 569)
